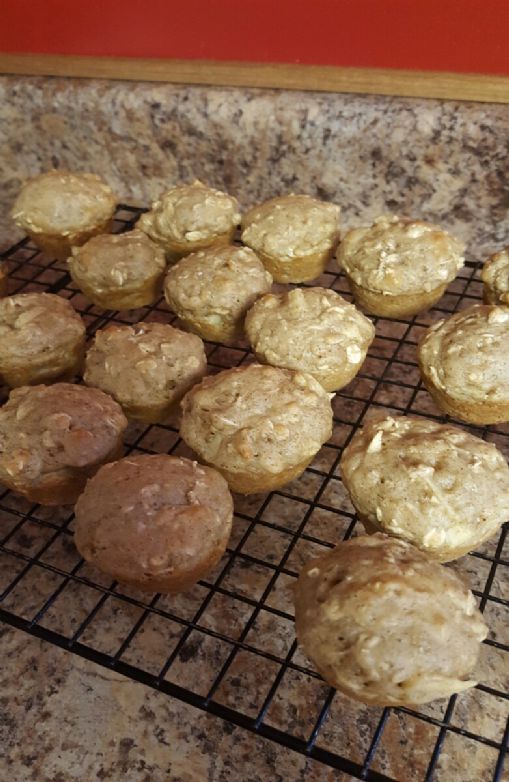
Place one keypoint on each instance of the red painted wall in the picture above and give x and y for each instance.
(448, 35)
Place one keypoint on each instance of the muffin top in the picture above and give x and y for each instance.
(62, 203)
(49, 429)
(398, 255)
(151, 516)
(291, 226)
(257, 418)
(35, 324)
(190, 213)
(219, 282)
(312, 327)
(495, 274)
(114, 260)
(386, 624)
(466, 355)
(433, 484)
(145, 363)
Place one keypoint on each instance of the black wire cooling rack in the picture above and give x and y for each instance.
(228, 646)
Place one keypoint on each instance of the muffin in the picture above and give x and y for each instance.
(294, 236)
(312, 330)
(147, 367)
(119, 271)
(386, 625)
(432, 484)
(495, 276)
(42, 338)
(157, 522)
(53, 438)
(398, 266)
(190, 217)
(60, 209)
(3, 279)
(211, 290)
(464, 363)
(259, 426)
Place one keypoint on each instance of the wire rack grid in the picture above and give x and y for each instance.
(228, 645)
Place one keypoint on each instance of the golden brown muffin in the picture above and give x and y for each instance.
(146, 367)
(119, 271)
(386, 625)
(495, 276)
(294, 235)
(260, 426)
(190, 217)
(464, 363)
(157, 522)
(431, 484)
(3, 279)
(312, 330)
(212, 290)
(42, 338)
(53, 438)
(60, 209)
(399, 266)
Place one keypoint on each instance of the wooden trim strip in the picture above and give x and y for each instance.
(324, 78)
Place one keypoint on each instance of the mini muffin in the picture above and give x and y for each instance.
(147, 367)
(435, 485)
(259, 426)
(294, 235)
(312, 330)
(212, 290)
(42, 338)
(157, 522)
(464, 363)
(53, 438)
(190, 217)
(119, 271)
(386, 625)
(3, 279)
(398, 266)
(495, 276)
(61, 209)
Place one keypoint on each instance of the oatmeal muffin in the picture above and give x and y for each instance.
(432, 484)
(495, 276)
(42, 338)
(259, 426)
(60, 209)
(211, 290)
(398, 266)
(190, 217)
(386, 625)
(146, 367)
(53, 438)
(119, 271)
(464, 363)
(294, 235)
(157, 522)
(3, 279)
(312, 330)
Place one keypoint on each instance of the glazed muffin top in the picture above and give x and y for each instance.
(150, 516)
(190, 213)
(433, 484)
(386, 624)
(495, 274)
(466, 355)
(146, 362)
(311, 327)
(62, 203)
(398, 255)
(114, 260)
(37, 323)
(48, 429)
(259, 418)
(291, 226)
(219, 282)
